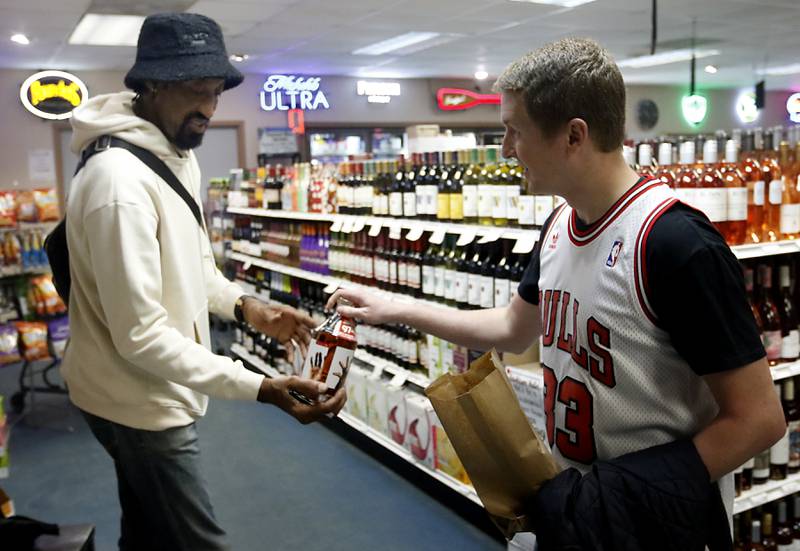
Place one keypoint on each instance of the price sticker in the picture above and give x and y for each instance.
(375, 229)
(336, 226)
(395, 231)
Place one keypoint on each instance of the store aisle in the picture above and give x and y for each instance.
(275, 484)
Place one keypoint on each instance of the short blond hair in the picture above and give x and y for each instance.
(571, 78)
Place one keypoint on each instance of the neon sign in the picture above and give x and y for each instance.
(694, 108)
(378, 92)
(53, 95)
(455, 99)
(746, 107)
(793, 107)
(285, 92)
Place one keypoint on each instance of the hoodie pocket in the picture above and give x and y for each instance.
(202, 334)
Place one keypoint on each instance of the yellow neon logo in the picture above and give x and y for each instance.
(47, 85)
(69, 92)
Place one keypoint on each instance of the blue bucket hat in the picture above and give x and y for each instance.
(181, 46)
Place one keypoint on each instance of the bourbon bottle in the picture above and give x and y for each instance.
(331, 352)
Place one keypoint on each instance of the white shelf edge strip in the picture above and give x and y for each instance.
(365, 429)
(754, 250)
(772, 490)
(785, 370)
(326, 280)
(450, 227)
(765, 249)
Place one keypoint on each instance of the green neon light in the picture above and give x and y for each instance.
(694, 108)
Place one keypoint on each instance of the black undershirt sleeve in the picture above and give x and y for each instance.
(528, 288)
(696, 289)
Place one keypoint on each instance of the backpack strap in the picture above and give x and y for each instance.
(148, 158)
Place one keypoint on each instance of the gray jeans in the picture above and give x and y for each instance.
(164, 501)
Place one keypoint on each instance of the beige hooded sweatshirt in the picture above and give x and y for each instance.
(143, 283)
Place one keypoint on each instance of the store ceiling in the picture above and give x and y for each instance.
(318, 36)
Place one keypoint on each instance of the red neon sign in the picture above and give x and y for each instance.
(455, 99)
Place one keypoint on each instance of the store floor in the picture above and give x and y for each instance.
(275, 484)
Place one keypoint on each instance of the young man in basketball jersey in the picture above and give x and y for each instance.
(647, 334)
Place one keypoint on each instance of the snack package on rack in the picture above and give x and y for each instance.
(8, 209)
(26, 207)
(33, 337)
(12, 250)
(48, 303)
(9, 344)
(46, 205)
(58, 329)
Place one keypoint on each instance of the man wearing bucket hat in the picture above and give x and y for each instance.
(143, 281)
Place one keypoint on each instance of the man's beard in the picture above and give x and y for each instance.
(186, 138)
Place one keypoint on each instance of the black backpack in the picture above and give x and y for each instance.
(55, 244)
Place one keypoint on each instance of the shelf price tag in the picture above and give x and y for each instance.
(415, 232)
(375, 229)
(491, 236)
(437, 237)
(466, 236)
(525, 243)
(331, 287)
(347, 225)
(336, 226)
(358, 224)
(399, 379)
(395, 230)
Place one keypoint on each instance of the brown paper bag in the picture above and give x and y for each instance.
(503, 456)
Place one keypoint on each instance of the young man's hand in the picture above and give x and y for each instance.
(367, 307)
(276, 392)
(291, 327)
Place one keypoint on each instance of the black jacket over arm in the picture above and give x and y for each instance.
(656, 499)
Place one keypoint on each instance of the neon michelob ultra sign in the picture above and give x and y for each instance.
(53, 94)
(284, 92)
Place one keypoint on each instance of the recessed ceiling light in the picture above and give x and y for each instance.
(20, 38)
(238, 58)
(97, 29)
(663, 58)
(781, 70)
(481, 75)
(395, 43)
(560, 3)
(710, 69)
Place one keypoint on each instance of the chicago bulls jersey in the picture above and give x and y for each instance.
(614, 384)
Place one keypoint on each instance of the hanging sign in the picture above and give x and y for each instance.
(284, 92)
(53, 95)
(694, 108)
(455, 99)
(746, 108)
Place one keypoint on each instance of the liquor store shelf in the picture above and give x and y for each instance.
(785, 370)
(742, 252)
(319, 278)
(356, 223)
(360, 426)
(772, 490)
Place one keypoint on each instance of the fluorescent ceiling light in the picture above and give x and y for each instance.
(711, 70)
(395, 43)
(20, 38)
(560, 3)
(481, 75)
(781, 70)
(107, 30)
(672, 56)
